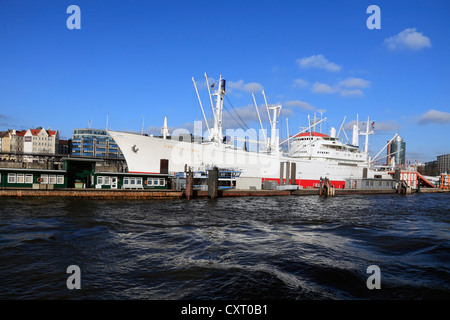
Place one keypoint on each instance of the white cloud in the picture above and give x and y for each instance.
(354, 83)
(408, 39)
(251, 87)
(300, 83)
(299, 104)
(322, 88)
(351, 93)
(233, 118)
(435, 116)
(350, 87)
(318, 61)
(387, 126)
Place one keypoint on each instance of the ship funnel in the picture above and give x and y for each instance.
(355, 136)
(165, 130)
(333, 132)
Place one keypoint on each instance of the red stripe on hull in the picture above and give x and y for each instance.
(308, 183)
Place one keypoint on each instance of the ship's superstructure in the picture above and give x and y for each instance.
(315, 154)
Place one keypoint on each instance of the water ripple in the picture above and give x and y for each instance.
(244, 248)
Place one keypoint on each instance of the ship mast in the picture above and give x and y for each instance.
(274, 142)
(366, 144)
(217, 134)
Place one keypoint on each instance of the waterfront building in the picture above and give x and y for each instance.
(397, 150)
(431, 169)
(126, 180)
(12, 144)
(64, 146)
(2, 135)
(84, 173)
(32, 178)
(94, 143)
(79, 173)
(41, 141)
(443, 163)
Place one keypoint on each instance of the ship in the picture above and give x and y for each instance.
(309, 156)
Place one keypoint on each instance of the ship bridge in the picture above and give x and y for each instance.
(320, 145)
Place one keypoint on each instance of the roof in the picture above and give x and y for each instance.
(131, 174)
(35, 132)
(313, 134)
(32, 170)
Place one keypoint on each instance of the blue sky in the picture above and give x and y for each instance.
(134, 60)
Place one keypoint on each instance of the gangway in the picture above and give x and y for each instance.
(425, 181)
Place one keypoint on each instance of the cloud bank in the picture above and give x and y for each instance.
(435, 116)
(318, 62)
(408, 39)
(251, 87)
(346, 88)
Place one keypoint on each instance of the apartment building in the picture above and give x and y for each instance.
(12, 143)
(94, 143)
(41, 141)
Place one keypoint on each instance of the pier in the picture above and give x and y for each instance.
(182, 194)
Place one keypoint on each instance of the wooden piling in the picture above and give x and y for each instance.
(293, 174)
(288, 172)
(281, 172)
(213, 183)
(190, 185)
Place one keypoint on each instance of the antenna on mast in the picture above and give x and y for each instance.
(209, 93)
(366, 144)
(219, 93)
(321, 111)
(274, 142)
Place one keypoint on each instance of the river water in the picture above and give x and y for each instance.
(285, 248)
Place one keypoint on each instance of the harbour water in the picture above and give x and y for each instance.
(285, 248)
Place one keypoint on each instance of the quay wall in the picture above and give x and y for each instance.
(94, 193)
(174, 194)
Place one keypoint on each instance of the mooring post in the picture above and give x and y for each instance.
(320, 187)
(281, 173)
(190, 185)
(213, 183)
(293, 169)
(288, 172)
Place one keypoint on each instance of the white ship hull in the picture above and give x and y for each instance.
(143, 155)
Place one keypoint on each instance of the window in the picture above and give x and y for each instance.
(139, 181)
(11, 178)
(52, 179)
(20, 178)
(155, 182)
(149, 182)
(99, 180)
(44, 178)
(125, 180)
(162, 182)
(29, 178)
(132, 180)
(107, 181)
